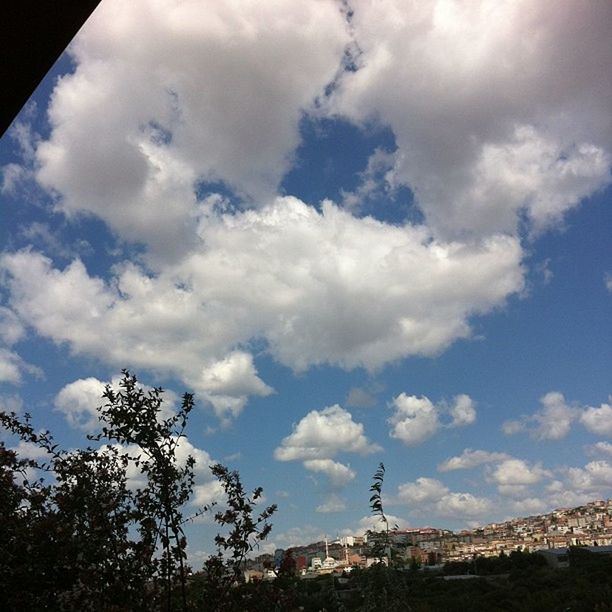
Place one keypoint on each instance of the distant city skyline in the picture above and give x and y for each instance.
(358, 232)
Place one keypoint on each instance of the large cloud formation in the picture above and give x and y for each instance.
(497, 107)
(317, 287)
(182, 93)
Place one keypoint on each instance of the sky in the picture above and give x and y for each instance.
(358, 232)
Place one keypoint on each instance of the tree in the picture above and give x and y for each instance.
(224, 569)
(79, 537)
(134, 418)
(377, 509)
(66, 544)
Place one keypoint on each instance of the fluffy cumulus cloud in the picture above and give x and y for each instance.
(206, 489)
(227, 383)
(553, 421)
(598, 420)
(603, 448)
(470, 459)
(181, 93)
(321, 435)
(462, 411)
(497, 108)
(596, 476)
(78, 401)
(282, 274)
(421, 490)
(428, 495)
(375, 523)
(338, 473)
(415, 419)
(514, 476)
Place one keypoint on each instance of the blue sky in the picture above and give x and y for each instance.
(364, 236)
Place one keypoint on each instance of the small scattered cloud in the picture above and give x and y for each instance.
(554, 420)
(360, 398)
(602, 448)
(11, 403)
(319, 437)
(598, 420)
(375, 182)
(543, 269)
(374, 523)
(78, 402)
(338, 474)
(322, 434)
(596, 476)
(334, 503)
(462, 411)
(608, 281)
(228, 383)
(415, 419)
(513, 476)
(470, 459)
(12, 367)
(430, 496)
(420, 491)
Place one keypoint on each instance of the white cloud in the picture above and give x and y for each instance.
(462, 411)
(517, 472)
(471, 458)
(604, 448)
(529, 506)
(598, 420)
(332, 504)
(595, 476)
(322, 435)
(181, 92)
(463, 505)
(339, 474)
(492, 110)
(552, 422)
(206, 488)
(360, 398)
(11, 403)
(430, 496)
(512, 427)
(78, 402)
(11, 328)
(297, 536)
(227, 383)
(374, 523)
(10, 366)
(421, 491)
(416, 419)
(608, 281)
(281, 274)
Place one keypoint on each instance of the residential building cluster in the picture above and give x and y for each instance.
(588, 525)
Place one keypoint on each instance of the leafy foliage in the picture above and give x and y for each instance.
(381, 547)
(79, 538)
(224, 569)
